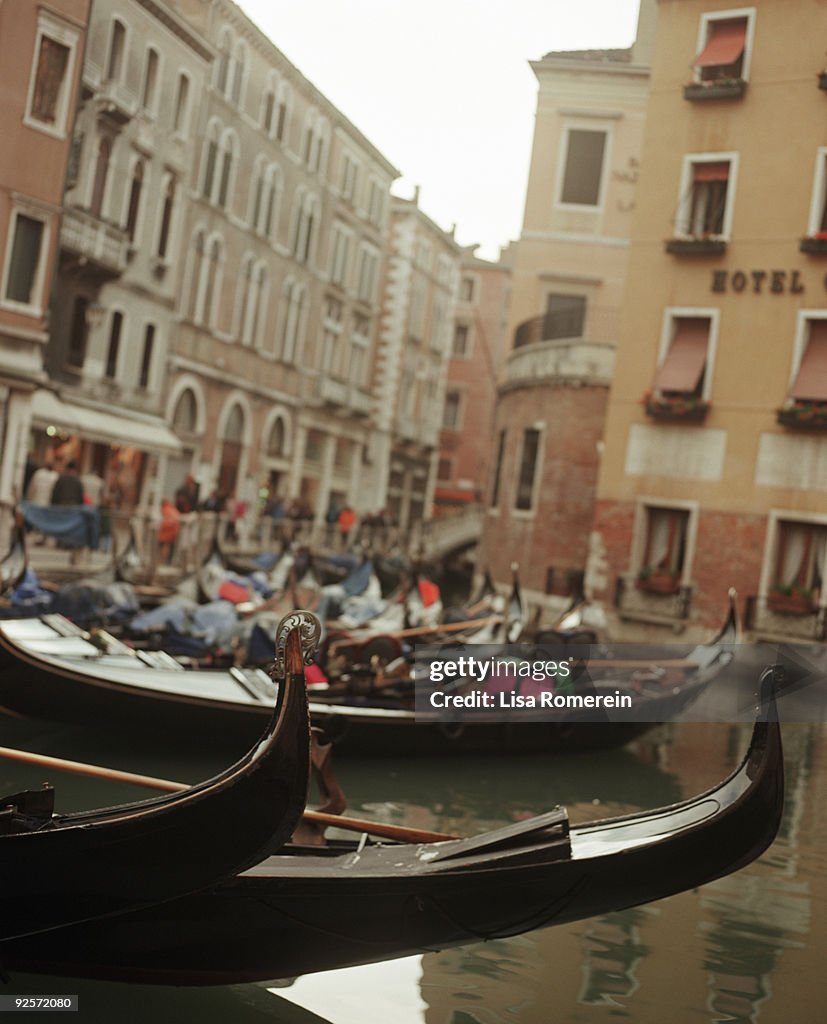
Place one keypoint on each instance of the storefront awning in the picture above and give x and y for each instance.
(149, 434)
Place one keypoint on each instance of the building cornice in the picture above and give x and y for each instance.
(179, 27)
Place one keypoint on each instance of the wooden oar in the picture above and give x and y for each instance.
(448, 627)
(374, 828)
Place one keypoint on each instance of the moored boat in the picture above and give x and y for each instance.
(61, 868)
(309, 909)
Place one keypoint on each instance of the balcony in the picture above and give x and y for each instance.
(785, 616)
(720, 89)
(115, 104)
(804, 416)
(653, 599)
(344, 395)
(703, 245)
(99, 248)
(681, 409)
(815, 244)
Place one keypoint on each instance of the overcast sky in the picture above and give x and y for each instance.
(443, 88)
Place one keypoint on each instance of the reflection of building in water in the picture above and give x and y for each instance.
(612, 952)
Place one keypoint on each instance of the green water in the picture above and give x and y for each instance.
(748, 948)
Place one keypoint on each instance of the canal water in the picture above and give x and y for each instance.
(747, 948)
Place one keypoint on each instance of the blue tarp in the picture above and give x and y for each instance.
(27, 599)
(75, 526)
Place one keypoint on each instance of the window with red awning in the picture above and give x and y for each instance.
(683, 366)
(723, 54)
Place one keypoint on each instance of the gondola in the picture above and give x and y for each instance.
(309, 909)
(49, 668)
(61, 868)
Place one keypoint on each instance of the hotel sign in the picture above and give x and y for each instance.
(777, 282)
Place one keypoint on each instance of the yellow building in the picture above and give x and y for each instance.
(714, 471)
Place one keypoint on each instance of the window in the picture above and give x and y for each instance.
(210, 160)
(228, 152)
(24, 260)
(665, 545)
(809, 384)
(78, 332)
(818, 203)
(239, 71)
(133, 210)
(150, 81)
(350, 171)
(222, 67)
(52, 72)
(466, 289)
(112, 351)
(424, 254)
(101, 175)
(208, 258)
(444, 470)
(360, 339)
(340, 249)
(451, 410)
(459, 349)
(683, 369)
(801, 550)
(117, 45)
(182, 97)
(368, 266)
(275, 439)
(304, 227)
(376, 203)
(583, 168)
(524, 498)
(282, 111)
(185, 417)
(723, 49)
(705, 206)
(331, 335)
(146, 357)
(268, 110)
(565, 317)
(498, 468)
(293, 324)
(255, 303)
(416, 316)
(167, 208)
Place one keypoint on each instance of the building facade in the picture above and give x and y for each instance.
(277, 311)
(41, 49)
(419, 294)
(715, 466)
(478, 348)
(127, 188)
(569, 269)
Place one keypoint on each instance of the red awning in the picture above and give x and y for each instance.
(725, 44)
(452, 494)
(811, 382)
(684, 363)
(709, 170)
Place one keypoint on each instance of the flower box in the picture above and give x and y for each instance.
(723, 89)
(795, 603)
(688, 409)
(658, 582)
(814, 243)
(696, 246)
(804, 416)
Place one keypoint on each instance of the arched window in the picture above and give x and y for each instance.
(272, 190)
(256, 192)
(115, 328)
(101, 174)
(282, 111)
(294, 296)
(228, 148)
(225, 46)
(305, 224)
(134, 208)
(185, 417)
(276, 439)
(182, 97)
(196, 263)
(150, 81)
(239, 69)
(167, 208)
(210, 160)
(268, 111)
(117, 48)
(215, 255)
(231, 450)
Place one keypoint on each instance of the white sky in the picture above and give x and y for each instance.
(443, 88)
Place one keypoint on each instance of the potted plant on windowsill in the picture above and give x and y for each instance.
(689, 408)
(815, 243)
(804, 416)
(704, 244)
(655, 580)
(715, 89)
(791, 599)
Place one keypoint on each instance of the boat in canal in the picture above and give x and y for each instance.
(60, 868)
(52, 669)
(305, 910)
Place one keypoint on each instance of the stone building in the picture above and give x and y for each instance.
(715, 468)
(277, 309)
(414, 345)
(41, 47)
(478, 348)
(568, 272)
(127, 191)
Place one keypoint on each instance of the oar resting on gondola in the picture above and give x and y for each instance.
(60, 868)
(306, 909)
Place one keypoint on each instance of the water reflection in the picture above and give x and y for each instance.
(747, 948)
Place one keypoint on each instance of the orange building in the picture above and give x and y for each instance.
(40, 53)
